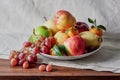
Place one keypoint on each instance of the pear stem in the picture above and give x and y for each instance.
(34, 31)
(45, 18)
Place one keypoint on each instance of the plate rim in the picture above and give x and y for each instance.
(71, 57)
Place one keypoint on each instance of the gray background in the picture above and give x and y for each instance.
(20, 16)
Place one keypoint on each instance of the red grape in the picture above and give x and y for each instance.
(32, 58)
(48, 43)
(27, 44)
(35, 57)
(13, 62)
(44, 49)
(49, 68)
(21, 62)
(53, 40)
(36, 50)
(33, 45)
(26, 65)
(21, 56)
(13, 54)
(42, 44)
(42, 67)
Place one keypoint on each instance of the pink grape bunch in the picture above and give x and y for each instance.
(28, 54)
(22, 59)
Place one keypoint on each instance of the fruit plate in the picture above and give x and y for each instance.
(71, 57)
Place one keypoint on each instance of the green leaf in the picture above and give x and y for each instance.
(56, 50)
(90, 21)
(101, 27)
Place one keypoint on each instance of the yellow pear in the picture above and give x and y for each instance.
(50, 25)
(91, 39)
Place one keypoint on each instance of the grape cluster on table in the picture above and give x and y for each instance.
(27, 55)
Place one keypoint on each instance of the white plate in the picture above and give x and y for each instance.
(70, 57)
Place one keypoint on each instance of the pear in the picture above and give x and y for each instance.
(91, 39)
(50, 25)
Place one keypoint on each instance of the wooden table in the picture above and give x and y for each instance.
(59, 73)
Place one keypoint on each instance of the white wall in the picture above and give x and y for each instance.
(21, 16)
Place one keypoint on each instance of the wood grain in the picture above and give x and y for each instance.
(34, 74)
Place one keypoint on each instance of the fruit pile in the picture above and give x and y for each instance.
(62, 36)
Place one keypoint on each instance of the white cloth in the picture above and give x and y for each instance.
(19, 17)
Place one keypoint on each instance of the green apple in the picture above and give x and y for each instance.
(42, 31)
(50, 25)
(91, 39)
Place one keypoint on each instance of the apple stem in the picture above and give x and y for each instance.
(45, 18)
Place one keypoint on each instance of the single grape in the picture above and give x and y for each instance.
(13, 62)
(21, 56)
(44, 49)
(13, 54)
(33, 45)
(32, 58)
(53, 41)
(36, 50)
(26, 65)
(35, 57)
(21, 62)
(42, 67)
(49, 68)
(27, 44)
(48, 43)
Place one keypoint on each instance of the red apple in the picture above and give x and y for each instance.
(75, 45)
(64, 20)
(81, 26)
